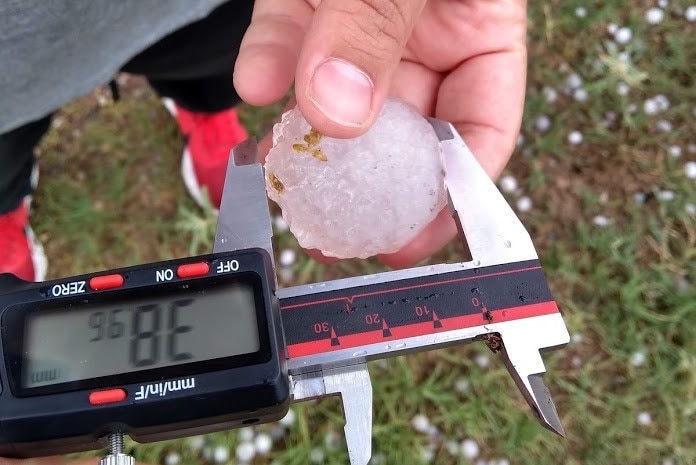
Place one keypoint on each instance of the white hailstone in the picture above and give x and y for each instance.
(668, 462)
(427, 454)
(650, 107)
(483, 360)
(662, 102)
(316, 456)
(654, 15)
(520, 140)
(691, 148)
(221, 454)
(524, 204)
(289, 419)
(612, 28)
(580, 94)
(664, 126)
(550, 94)
(675, 151)
(575, 138)
(503, 462)
(601, 221)
(644, 418)
(452, 447)
(576, 338)
(690, 209)
(172, 458)
(665, 196)
(196, 443)
(278, 432)
(378, 459)
(622, 88)
(280, 224)
(245, 452)
(287, 257)
(420, 423)
(638, 358)
(263, 443)
(639, 197)
(357, 197)
(631, 108)
(662, 3)
(542, 123)
(332, 440)
(208, 453)
(572, 82)
(624, 57)
(246, 434)
(580, 12)
(470, 449)
(286, 275)
(508, 184)
(576, 361)
(690, 169)
(690, 13)
(462, 385)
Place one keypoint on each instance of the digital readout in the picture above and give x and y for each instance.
(64, 345)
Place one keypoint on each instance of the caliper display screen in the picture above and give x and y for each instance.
(109, 338)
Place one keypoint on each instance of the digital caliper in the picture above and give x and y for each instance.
(207, 343)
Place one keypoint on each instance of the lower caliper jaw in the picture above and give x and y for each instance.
(353, 384)
(522, 342)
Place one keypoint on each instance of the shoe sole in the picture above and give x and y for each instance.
(38, 254)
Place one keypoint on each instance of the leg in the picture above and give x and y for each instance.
(21, 254)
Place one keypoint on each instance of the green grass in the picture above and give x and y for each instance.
(111, 196)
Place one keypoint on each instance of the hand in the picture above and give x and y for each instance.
(463, 61)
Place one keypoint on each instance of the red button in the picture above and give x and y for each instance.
(109, 281)
(108, 396)
(191, 270)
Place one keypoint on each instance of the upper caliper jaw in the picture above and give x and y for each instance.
(494, 235)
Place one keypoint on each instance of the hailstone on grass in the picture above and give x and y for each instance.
(357, 197)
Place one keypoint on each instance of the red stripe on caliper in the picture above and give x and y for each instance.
(351, 341)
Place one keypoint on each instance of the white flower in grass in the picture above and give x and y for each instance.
(690, 169)
(575, 138)
(221, 454)
(245, 452)
(654, 15)
(690, 13)
(470, 449)
(644, 418)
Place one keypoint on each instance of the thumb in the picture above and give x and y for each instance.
(345, 67)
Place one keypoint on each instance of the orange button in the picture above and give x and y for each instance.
(191, 270)
(107, 396)
(109, 281)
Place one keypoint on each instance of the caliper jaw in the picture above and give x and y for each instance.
(494, 235)
(353, 384)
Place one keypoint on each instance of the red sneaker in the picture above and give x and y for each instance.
(20, 252)
(210, 139)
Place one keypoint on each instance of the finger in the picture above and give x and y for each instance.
(416, 84)
(351, 50)
(265, 66)
(484, 99)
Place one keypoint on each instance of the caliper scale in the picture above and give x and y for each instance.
(313, 340)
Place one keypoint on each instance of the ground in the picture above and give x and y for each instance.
(603, 178)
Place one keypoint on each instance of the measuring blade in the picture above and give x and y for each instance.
(487, 224)
(352, 383)
(244, 221)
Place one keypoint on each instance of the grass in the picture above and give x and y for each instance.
(111, 196)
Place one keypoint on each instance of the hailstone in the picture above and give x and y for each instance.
(357, 197)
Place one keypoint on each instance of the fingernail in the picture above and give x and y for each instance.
(342, 91)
